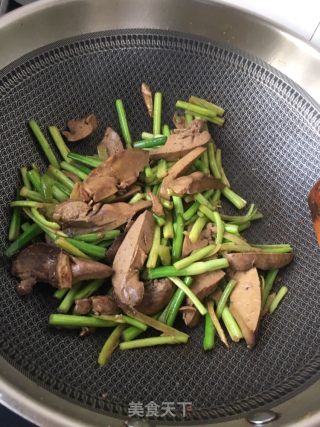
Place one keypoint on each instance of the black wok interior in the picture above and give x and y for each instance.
(271, 152)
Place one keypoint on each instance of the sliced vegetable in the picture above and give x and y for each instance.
(43, 143)
(209, 333)
(278, 298)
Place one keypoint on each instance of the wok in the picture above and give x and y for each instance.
(65, 59)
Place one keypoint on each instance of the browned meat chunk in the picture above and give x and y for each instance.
(64, 271)
(245, 304)
(183, 165)
(127, 165)
(196, 182)
(117, 172)
(82, 306)
(188, 246)
(147, 97)
(72, 210)
(98, 186)
(77, 193)
(104, 304)
(206, 238)
(100, 304)
(105, 217)
(264, 261)
(45, 263)
(81, 128)
(86, 269)
(157, 294)
(178, 169)
(195, 127)
(202, 286)
(111, 142)
(190, 315)
(36, 263)
(182, 142)
(157, 207)
(130, 259)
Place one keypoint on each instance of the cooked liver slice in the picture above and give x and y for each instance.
(76, 217)
(82, 306)
(157, 207)
(190, 315)
(178, 169)
(202, 286)
(104, 304)
(129, 260)
(245, 303)
(157, 294)
(206, 238)
(242, 261)
(71, 210)
(99, 304)
(147, 97)
(45, 263)
(87, 269)
(64, 271)
(196, 182)
(182, 142)
(81, 128)
(112, 142)
(117, 172)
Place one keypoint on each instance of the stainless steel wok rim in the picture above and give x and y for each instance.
(34, 62)
(274, 45)
(24, 398)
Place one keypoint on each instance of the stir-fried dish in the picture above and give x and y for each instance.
(136, 235)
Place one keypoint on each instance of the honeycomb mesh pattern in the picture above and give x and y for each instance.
(271, 154)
